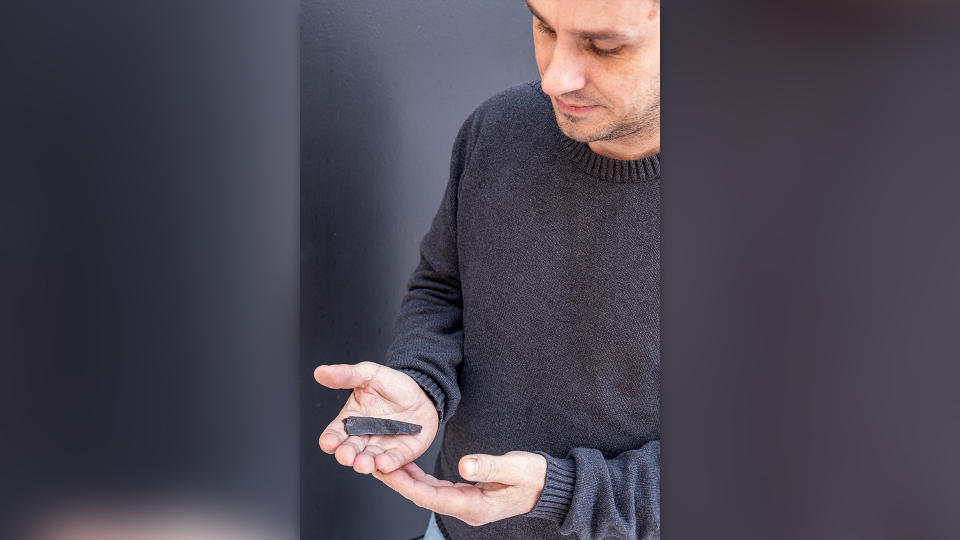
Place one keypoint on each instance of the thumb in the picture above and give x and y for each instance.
(511, 468)
(345, 375)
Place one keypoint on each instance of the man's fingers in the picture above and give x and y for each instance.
(364, 462)
(390, 460)
(417, 473)
(348, 450)
(330, 439)
(345, 375)
(447, 500)
(334, 434)
(511, 468)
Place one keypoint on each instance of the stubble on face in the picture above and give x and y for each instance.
(639, 122)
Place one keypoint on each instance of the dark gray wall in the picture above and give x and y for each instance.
(384, 87)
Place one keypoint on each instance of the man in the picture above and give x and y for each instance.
(531, 325)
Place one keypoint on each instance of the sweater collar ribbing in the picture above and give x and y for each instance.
(609, 169)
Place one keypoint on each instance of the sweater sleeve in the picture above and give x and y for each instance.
(428, 334)
(593, 497)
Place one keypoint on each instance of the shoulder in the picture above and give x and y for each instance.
(522, 100)
(505, 136)
(517, 111)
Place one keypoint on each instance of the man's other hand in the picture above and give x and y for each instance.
(381, 392)
(506, 486)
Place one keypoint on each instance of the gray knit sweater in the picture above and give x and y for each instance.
(533, 321)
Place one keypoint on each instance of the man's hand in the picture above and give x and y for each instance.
(384, 393)
(507, 486)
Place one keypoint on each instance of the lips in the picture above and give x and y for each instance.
(571, 109)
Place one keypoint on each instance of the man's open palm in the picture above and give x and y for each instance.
(381, 392)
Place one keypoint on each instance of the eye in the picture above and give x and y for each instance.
(604, 52)
(544, 29)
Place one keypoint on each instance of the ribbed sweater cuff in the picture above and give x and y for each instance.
(430, 387)
(554, 502)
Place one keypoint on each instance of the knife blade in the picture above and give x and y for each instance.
(368, 425)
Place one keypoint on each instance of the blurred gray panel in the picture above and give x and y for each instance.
(149, 256)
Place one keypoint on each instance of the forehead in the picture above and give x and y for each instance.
(591, 16)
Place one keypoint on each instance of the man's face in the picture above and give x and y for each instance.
(599, 62)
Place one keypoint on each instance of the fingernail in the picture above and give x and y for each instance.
(470, 466)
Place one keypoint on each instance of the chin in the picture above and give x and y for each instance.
(577, 132)
(578, 129)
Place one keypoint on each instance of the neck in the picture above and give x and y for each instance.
(637, 147)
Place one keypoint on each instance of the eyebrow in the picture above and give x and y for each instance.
(600, 35)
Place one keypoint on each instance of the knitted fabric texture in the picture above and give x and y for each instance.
(533, 321)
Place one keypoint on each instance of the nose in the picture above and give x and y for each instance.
(566, 70)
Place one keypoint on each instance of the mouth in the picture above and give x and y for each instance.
(573, 110)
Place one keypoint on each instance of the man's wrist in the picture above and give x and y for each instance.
(430, 388)
(558, 488)
(539, 478)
